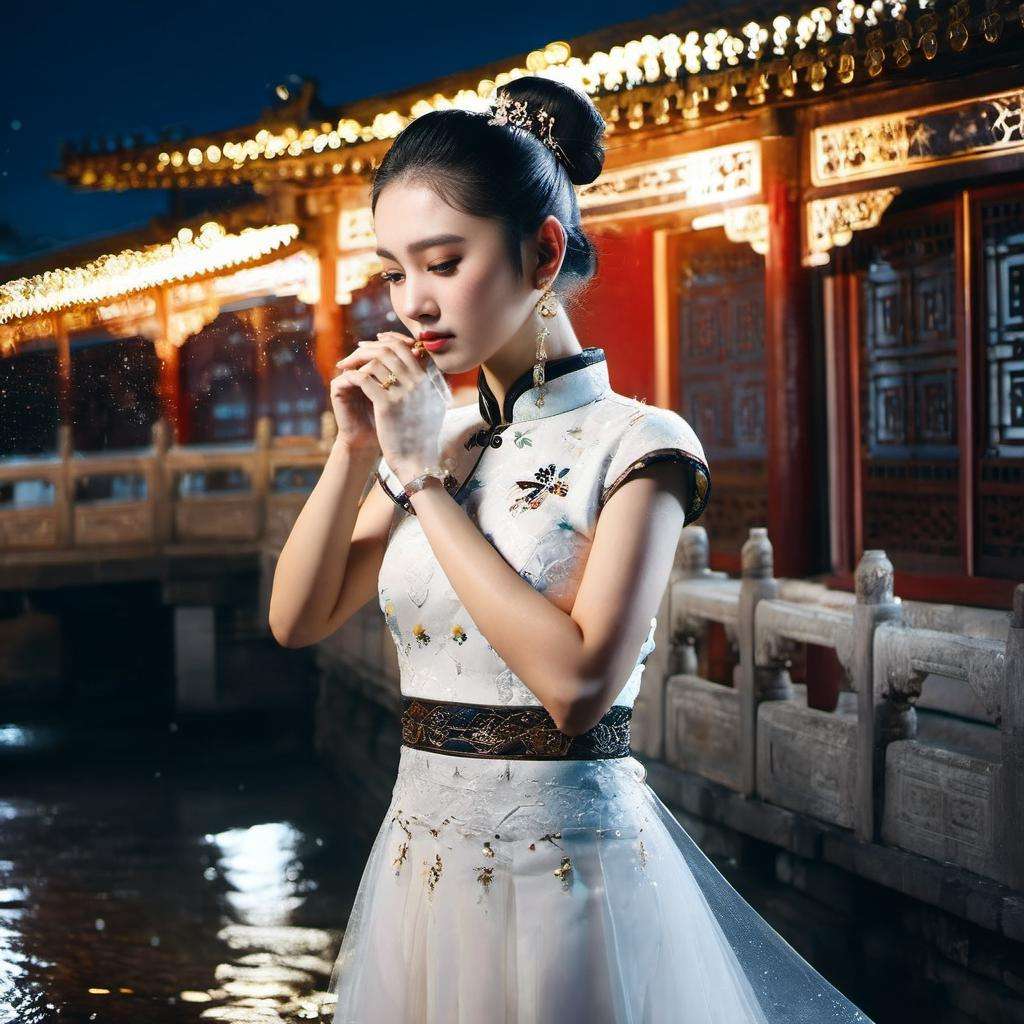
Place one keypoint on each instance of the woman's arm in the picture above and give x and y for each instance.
(575, 663)
(328, 566)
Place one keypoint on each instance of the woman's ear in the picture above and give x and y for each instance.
(550, 248)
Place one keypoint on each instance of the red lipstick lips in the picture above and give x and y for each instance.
(434, 341)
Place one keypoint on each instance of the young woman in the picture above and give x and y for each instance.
(519, 548)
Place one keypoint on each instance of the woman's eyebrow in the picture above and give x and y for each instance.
(424, 243)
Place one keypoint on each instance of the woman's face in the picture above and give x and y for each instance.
(461, 283)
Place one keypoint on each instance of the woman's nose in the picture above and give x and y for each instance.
(416, 302)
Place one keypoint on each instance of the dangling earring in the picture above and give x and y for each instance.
(547, 307)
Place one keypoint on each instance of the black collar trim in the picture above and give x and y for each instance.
(553, 368)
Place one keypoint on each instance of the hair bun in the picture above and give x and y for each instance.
(579, 128)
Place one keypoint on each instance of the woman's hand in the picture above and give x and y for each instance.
(408, 415)
(353, 411)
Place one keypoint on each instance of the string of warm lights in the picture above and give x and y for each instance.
(186, 255)
(837, 43)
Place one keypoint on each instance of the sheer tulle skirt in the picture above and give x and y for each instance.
(549, 892)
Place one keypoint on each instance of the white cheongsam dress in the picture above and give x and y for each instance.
(554, 889)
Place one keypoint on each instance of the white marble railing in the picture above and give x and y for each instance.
(925, 748)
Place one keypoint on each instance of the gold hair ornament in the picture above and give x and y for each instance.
(508, 111)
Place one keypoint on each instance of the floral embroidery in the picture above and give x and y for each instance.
(403, 849)
(485, 877)
(420, 632)
(433, 873)
(488, 852)
(564, 872)
(545, 482)
(458, 634)
(403, 645)
(564, 524)
(521, 439)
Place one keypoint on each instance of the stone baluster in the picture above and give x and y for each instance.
(691, 562)
(883, 714)
(162, 483)
(261, 474)
(1011, 782)
(755, 683)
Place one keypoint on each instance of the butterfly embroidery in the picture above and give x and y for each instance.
(545, 482)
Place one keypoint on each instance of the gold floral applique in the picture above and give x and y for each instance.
(420, 632)
(403, 847)
(564, 872)
(458, 634)
(488, 852)
(403, 850)
(433, 873)
(485, 877)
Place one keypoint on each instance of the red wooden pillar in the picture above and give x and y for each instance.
(788, 369)
(327, 318)
(170, 374)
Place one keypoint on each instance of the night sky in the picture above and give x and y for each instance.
(71, 70)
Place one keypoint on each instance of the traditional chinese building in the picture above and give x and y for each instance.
(808, 227)
(811, 237)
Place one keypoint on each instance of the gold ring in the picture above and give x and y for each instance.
(389, 380)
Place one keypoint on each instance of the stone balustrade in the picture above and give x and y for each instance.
(943, 780)
(70, 505)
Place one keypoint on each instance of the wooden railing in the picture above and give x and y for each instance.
(165, 496)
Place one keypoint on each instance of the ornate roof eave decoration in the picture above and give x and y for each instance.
(188, 255)
(641, 83)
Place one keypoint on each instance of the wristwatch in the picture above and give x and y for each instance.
(417, 483)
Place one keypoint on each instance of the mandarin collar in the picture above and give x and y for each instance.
(571, 381)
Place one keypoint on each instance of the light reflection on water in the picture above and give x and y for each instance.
(143, 894)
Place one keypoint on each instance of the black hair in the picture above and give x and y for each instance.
(507, 173)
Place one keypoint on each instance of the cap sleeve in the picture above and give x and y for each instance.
(661, 435)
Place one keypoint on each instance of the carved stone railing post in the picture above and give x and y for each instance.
(1012, 772)
(754, 684)
(65, 490)
(691, 563)
(161, 483)
(883, 713)
(261, 476)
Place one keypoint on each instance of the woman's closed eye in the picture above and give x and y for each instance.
(443, 268)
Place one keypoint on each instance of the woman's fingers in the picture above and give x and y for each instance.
(401, 345)
(384, 357)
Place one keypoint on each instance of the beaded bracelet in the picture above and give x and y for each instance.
(419, 482)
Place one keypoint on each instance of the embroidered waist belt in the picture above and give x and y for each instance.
(509, 731)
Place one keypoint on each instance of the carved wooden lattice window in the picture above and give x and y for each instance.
(28, 399)
(218, 367)
(114, 391)
(1000, 479)
(719, 293)
(295, 393)
(939, 337)
(908, 395)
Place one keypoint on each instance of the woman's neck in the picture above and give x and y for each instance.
(519, 354)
